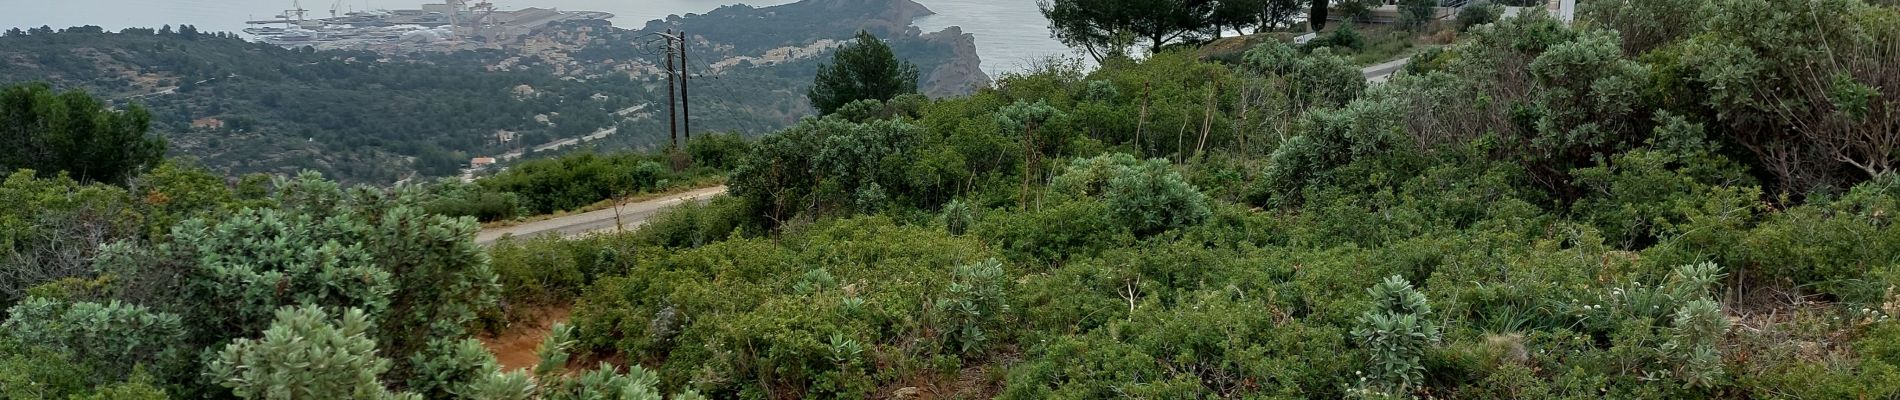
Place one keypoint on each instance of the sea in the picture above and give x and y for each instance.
(1011, 35)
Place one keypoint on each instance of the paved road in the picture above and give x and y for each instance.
(631, 216)
(1379, 73)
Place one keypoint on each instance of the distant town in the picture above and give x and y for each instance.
(451, 25)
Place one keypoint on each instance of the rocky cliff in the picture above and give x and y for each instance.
(962, 73)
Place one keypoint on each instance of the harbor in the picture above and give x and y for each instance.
(453, 24)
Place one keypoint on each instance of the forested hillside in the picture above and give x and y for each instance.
(1663, 200)
(356, 115)
(365, 117)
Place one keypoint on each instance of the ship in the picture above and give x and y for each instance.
(433, 24)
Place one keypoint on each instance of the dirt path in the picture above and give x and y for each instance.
(515, 348)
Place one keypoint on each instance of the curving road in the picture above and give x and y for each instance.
(631, 216)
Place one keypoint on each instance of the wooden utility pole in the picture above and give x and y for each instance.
(686, 101)
(672, 83)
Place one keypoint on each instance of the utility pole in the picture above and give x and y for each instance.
(686, 102)
(672, 80)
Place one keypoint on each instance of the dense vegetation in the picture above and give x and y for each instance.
(576, 181)
(1537, 211)
(283, 110)
(73, 132)
(1616, 209)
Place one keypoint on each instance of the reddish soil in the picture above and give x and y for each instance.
(516, 346)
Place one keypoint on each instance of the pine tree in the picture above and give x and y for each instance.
(74, 133)
(865, 70)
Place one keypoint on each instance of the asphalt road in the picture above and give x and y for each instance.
(1379, 73)
(631, 216)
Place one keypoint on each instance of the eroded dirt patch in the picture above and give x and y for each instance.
(515, 347)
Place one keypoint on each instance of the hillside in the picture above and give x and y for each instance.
(1676, 199)
(378, 118)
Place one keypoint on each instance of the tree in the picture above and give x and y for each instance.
(1238, 14)
(1417, 14)
(1479, 13)
(1354, 10)
(1317, 18)
(74, 133)
(1106, 28)
(863, 70)
(1092, 26)
(306, 355)
(1275, 13)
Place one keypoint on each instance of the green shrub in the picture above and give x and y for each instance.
(831, 165)
(112, 338)
(1478, 13)
(958, 217)
(43, 221)
(718, 151)
(1830, 245)
(545, 272)
(306, 353)
(1362, 131)
(1415, 15)
(454, 198)
(1315, 79)
(1644, 194)
(824, 312)
(1344, 37)
(574, 181)
(1694, 337)
(1056, 232)
(695, 224)
(1396, 333)
(33, 372)
(249, 265)
(139, 387)
(1148, 197)
(1090, 367)
(419, 275)
(974, 307)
